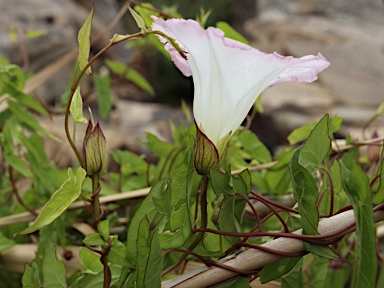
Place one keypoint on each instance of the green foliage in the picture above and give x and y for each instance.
(146, 210)
(302, 133)
(277, 269)
(149, 255)
(294, 278)
(305, 161)
(103, 88)
(84, 43)
(131, 75)
(319, 181)
(53, 269)
(230, 32)
(46, 272)
(76, 108)
(5, 243)
(60, 200)
(232, 206)
(379, 193)
(138, 19)
(356, 185)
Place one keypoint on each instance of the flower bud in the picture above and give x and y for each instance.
(206, 156)
(94, 149)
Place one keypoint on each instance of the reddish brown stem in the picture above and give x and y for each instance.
(16, 193)
(265, 200)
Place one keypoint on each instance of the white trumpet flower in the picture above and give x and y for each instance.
(228, 75)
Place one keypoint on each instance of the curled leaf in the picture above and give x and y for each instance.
(76, 108)
(84, 43)
(59, 202)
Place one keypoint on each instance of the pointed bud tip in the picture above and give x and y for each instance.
(94, 150)
(206, 155)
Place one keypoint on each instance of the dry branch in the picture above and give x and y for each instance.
(255, 259)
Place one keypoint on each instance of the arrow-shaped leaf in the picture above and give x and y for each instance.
(59, 202)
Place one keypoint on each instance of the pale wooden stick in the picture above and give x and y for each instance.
(15, 258)
(255, 259)
(26, 216)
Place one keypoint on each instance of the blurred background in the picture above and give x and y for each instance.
(41, 35)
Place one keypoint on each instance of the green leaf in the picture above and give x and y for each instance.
(322, 251)
(242, 184)
(13, 75)
(221, 182)
(31, 278)
(230, 32)
(13, 36)
(133, 170)
(180, 228)
(76, 108)
(337, 187)
(180, 225)
(32, 34)
(158, 147)
(149, 255)
(319, 268)
(138, 19)
(54, 272)
(130, 74)
(316, 148)
(136, 78)
(24, 99)
(277, 269)
(5, 243)
(254, 147)
(118, 253)
(302, 133)
(304, 162)
(380, 281)
(356, 185)
(203, 16)
(29, 121)
(60, 200)
(294, 278)
(6, 141)
(232, 207)
(84, 43)
(93, 239)
(227, 220)
(103, 228)
(146, 10)
(378, 197)
(305, 193)
(147, 209)
(96, 280)
(335, 124)
(239, 282)
(103, 89)
(90, 261)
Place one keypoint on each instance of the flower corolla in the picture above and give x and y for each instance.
(228, 75)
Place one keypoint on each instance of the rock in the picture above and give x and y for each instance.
(352, 87)
(290, 105)
(309, 98)
(54, 18)
(60, 21)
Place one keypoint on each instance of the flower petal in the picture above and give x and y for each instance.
(229, 75)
